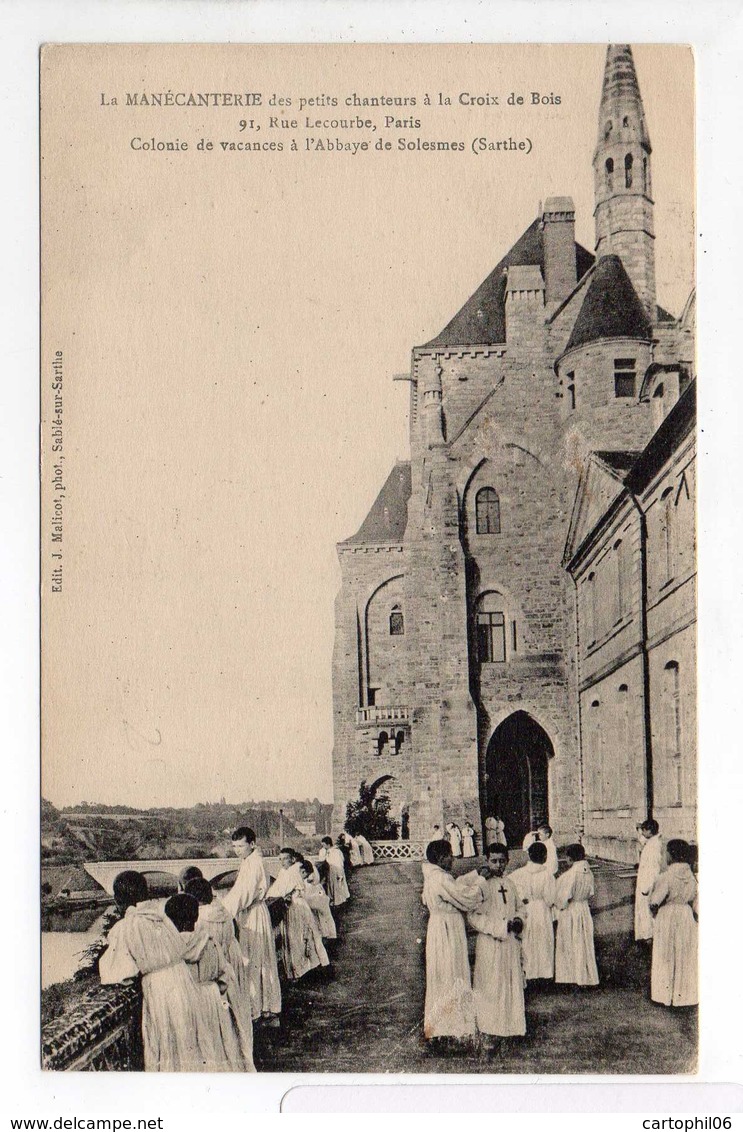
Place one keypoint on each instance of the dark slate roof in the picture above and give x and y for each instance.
(619, 462)
(663, 315)
(388, 516)
(482, 319)
(611, 308)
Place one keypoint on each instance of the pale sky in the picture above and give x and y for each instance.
(231, 325)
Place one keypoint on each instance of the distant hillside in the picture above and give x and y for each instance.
(115, 833)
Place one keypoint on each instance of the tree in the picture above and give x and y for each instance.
(370, 815)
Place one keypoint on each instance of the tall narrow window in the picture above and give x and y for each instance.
(645, 176)
(625, 122)
(397, 622)
(607, 127)
(571, 390)
(621, 755)
(595, 768)
(628, 171)
(491, 629)
(625, 373)
(619, 583)
(487, 512)
(609, 167)
(673, 736)
(491, 638)
(668, 535)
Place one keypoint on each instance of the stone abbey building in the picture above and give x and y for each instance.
(515, 624)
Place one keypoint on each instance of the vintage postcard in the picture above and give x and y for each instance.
(369, 559)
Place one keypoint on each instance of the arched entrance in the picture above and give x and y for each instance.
(516, 775)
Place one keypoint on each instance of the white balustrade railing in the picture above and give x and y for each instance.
(399, 850)
(382, 713)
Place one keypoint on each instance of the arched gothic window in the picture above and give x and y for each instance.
(609, 167)
(628, 171)
(487, 512)
(397, 622)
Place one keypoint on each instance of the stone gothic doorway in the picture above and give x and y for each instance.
(516, 775)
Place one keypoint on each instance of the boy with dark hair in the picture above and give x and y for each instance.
(145, 942)
(215, 922)
(336, 881)
(498, 981)
(246, 903)
(449, 1008)
(648, 871)
(536, 889)
(575, 956)
(673, 903)
(216, 1033)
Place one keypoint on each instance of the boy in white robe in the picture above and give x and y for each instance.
(454, 835)
(449, 1008)
(354, 851)
(317, 899)
(575, 956)
(649, 869)
(216, 1030)
(217, 924)
(336, 883)
(545, 836)
(536, 888)
(468, 840)
(498, 981)
(146, 943)
(673, 902)
(302, 949)
(246, 903)
(367, 853)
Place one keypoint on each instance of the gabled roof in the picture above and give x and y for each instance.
(611, 308)
(482, 319)
(388, 516)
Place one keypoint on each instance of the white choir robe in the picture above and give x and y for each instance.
(246, 903)
(454, 837)
(449, 1007)
(495, 832)
(299, 935)
(498, 981)
(575, 956)
(673, 971)
(145, 942)
(552, 865)
(216, 922)
(367, 853)
(468, 841)
(650, 867)
(354, 850)
(317, 899)
(337, 885)
(217, 1028)
(536, 888)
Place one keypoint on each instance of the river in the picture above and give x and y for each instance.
(60, 952)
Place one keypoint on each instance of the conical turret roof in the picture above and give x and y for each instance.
(611, 308)
(620, 94)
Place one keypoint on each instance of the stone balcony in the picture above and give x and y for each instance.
(380, 714)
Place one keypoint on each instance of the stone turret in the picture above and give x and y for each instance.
(623, 210)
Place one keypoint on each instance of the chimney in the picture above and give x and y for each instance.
(558, 229)
(524, 305)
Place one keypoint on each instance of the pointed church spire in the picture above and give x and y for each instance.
(623, 211)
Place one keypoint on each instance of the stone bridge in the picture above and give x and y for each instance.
(213, 868)
(217, 868)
